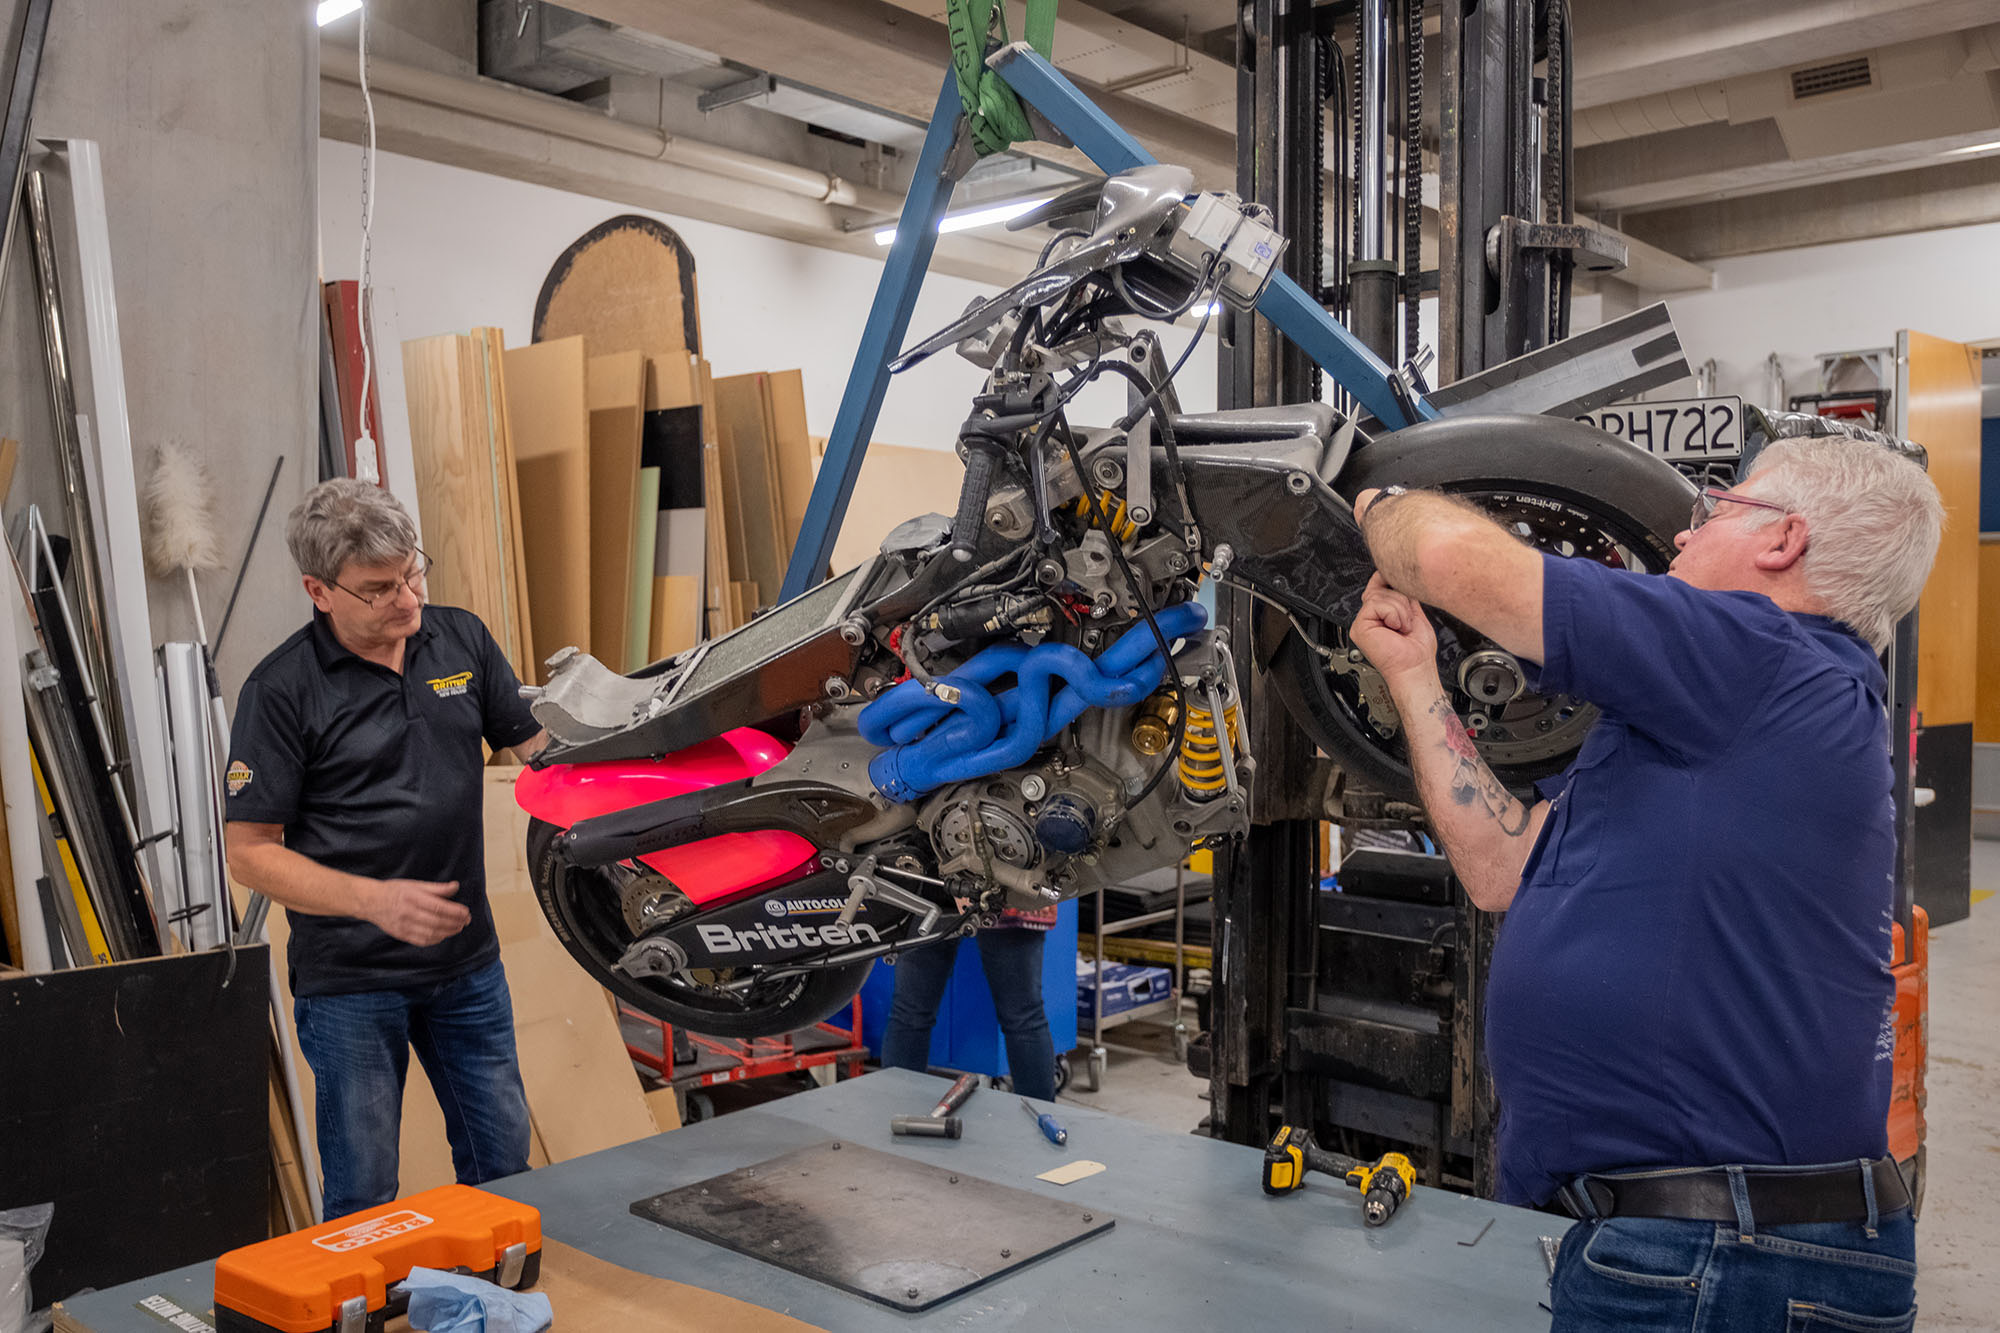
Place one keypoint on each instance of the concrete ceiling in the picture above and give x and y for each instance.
(1704, 127)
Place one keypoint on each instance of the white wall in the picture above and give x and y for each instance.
(454, 248)
(1836, 298)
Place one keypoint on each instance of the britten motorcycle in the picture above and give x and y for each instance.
(1026, 700)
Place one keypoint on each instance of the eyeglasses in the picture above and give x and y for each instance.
(1705, 503)
(377, 593)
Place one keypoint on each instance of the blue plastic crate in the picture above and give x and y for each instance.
(1126, 986)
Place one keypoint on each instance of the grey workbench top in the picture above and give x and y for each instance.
(1197, 1243)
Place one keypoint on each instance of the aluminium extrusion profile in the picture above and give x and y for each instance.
(128, 628)
(203, 881)
(87, 576)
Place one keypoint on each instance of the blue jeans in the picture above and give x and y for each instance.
(1011, 957)
(358, 1045)
(1662, 1274)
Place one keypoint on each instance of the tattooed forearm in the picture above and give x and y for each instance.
(1472, 782)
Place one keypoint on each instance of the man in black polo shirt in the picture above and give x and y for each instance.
(355, 800)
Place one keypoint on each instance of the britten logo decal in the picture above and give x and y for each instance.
(239, 776)
(448, 686)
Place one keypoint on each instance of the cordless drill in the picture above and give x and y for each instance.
(1384, 1183)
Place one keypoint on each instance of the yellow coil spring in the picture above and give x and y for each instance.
(1201, 752)
(1123, 528)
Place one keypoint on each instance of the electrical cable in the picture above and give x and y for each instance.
(1145, 404)
(367, 461)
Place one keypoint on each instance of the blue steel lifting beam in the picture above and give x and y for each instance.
(946, 154)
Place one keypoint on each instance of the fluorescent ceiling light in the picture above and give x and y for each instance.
(979, 217)
(1975, 148)
(329, 10)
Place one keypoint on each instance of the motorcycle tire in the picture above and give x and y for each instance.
(1585, 475)
(797, 1003)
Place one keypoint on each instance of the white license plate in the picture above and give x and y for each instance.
(1678, 430)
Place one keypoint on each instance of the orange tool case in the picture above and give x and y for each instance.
(335, 1277)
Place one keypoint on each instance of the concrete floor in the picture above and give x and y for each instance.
(1958, 1238)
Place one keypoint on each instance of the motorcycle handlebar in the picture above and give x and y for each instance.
(982, 462)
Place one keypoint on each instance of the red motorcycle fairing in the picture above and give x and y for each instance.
(710, 871)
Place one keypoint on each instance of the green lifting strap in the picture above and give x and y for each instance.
(991, 109)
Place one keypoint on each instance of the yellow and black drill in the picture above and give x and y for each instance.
(1384, 1183)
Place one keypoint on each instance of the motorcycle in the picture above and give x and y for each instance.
(1025, 701)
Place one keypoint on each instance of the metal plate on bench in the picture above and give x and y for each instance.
(900, 1232)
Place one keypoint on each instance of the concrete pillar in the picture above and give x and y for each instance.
(207, 113)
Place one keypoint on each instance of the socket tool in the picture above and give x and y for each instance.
(940, 1123)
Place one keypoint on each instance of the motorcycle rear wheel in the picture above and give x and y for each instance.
(582, 910)
(1574, 488)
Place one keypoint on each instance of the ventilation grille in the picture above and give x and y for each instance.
(1838, 77)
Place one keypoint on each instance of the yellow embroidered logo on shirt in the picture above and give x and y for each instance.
(447, 686)
(238, 776)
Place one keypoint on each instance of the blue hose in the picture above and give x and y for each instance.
(930, 743)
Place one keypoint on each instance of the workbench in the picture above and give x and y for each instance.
(1197, 1243)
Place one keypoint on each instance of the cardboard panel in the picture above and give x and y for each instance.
(1940, 410)
(547, 405)
(627, 284)
(617, 391)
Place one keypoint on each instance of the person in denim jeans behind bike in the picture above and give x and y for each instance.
(356, 797)
(1010, 953)
(1689, 1008)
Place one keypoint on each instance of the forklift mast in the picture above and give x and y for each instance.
(1359, 1012)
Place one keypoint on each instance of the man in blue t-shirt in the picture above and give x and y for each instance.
(1688, 1013)
(356, 800)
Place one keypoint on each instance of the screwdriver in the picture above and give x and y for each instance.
(1051, 1131)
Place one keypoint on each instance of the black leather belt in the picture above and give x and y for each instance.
(1778, 1196)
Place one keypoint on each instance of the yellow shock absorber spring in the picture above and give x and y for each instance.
(1114, 510)
(1202, 773)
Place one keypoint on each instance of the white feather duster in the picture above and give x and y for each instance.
(180, 528)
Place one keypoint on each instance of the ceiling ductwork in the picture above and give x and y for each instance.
(1913, 92)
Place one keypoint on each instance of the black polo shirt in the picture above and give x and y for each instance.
(379, 774)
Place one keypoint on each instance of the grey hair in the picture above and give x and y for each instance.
(344, 520)
(1873, 522)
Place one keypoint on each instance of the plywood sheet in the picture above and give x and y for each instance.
(676, 614)
(588, 1293)
(628, 285)
(460, 453)
(750, 471)
(792, 447)
(896, 483)
(550, 414)
(1940, 411)
(617, 391)
(495, 346)
(639, 579)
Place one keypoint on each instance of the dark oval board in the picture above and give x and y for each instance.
(628, 284)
